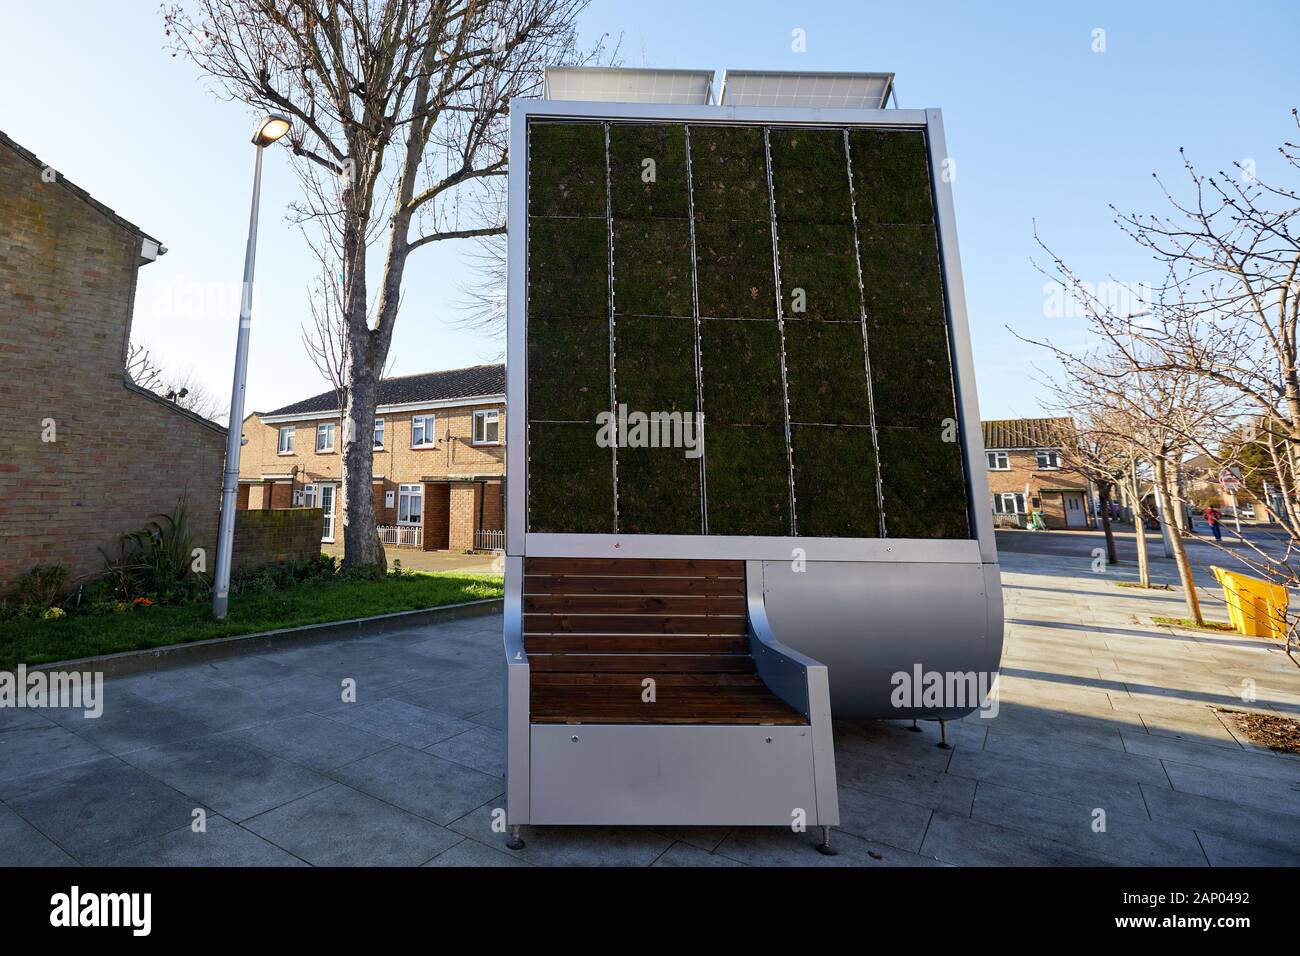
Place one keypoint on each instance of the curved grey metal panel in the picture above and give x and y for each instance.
(868, 622)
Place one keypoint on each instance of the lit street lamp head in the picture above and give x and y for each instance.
(270, 128)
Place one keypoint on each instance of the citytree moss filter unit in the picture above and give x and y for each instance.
(784, 280)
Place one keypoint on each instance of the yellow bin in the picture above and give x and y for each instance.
(1256, 608)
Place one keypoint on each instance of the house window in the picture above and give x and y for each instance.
(410, 504)
(487, 427)
(422, 431)
(1009, 503)
(999, 461)
(309, 496)
(379, 433)
(1048, 460)
(285, 446)
(325, 437)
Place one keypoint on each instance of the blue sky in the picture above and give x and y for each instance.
(1041, 128)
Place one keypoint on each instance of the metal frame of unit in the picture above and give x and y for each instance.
(858, 610)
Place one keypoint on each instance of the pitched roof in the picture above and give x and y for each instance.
(447, 385)
(1026, 432)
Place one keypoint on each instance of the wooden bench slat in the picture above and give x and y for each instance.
(616, 584)
(633, 604)
(633, 644)
(643, 664)
(634, 624)
(675, 567)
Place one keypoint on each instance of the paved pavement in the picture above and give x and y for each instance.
(1104, 719)
(414, 559)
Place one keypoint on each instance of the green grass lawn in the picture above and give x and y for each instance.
(316, 602)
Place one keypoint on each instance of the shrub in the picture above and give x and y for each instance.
(156, 561)
(40, 587)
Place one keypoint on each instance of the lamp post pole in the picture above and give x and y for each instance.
(234, 438)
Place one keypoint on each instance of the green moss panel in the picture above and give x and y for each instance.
(655, 364)
(570, 480)
(826, 373)
(747, 474)
(740, 371)
(568, 369)
(923, 485)
(658, 491)
(568, 268)
(734, 269)
(911, 376)
(810, 176)
(819, 271)
(666, 196)
(901, 281)
(834, 482)
(566, 169)
(891, 176)
(729, 173)
(652, 267)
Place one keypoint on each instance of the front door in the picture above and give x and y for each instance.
(1075, 517)
(327, 497)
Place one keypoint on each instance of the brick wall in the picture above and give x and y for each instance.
(266, 537)
(118, 457)
(1045, 486)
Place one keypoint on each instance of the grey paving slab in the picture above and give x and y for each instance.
(248, 671)
(1232, 762)
(472, 853)
(1080, 758)
(687, 854)
(1120, 838)
(704, 838)
(571, 846)
(1276, 826)
(482, 748)
(222, 844)
(320, 743)
(232, 777)
(1225, 851)
(1121, 793)
(779, 846)
(883, 819)
(421, 783)
(21, 844)
(34, 748)
(967, 842)
(104, 807)
(340, 826)
(906, 783)
(402, 722)
(460, 698)
(1250, 791)
(168, 684)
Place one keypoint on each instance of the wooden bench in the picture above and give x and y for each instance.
(595, 629)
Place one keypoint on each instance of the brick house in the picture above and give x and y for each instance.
(439, 462)
(85, 453)
(1025, 474)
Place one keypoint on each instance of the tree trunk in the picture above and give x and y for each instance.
(1103, 496)
(1140, 530)
(1180, 552)
(360, 539)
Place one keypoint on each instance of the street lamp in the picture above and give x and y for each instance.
(269, 129)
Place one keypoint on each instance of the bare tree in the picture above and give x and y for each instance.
(141, 367)
(183, 389)
(399, 111)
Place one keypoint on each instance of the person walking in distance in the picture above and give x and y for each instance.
(1212, 519)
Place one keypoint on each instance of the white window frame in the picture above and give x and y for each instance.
(379, 434)
(482, 415)
(289, 431)
(404, 495)
(428, 430)
(994, 457)
(330, 428)
(1050, 453)
(1017, 503)
(309, 496)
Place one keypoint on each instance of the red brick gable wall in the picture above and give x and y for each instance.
(67, 289)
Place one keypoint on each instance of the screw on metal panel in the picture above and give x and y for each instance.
(768, 739)
(574, 738)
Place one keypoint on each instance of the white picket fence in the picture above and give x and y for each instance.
(401, 536)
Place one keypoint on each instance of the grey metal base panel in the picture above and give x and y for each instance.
(687, 775)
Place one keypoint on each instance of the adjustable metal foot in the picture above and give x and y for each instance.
(943, 736)
(825, 848)
(516, 842)
(914, 729)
